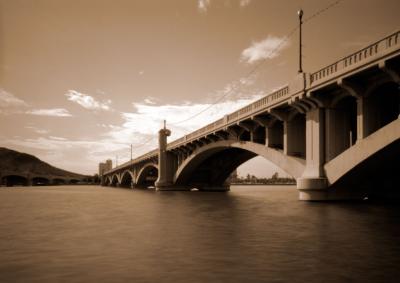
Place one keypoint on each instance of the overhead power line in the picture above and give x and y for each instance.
(237, 83)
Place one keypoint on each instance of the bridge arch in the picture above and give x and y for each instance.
(212, 164)
(114, 180)
(107, 180)
(127, 179)
(14, 180)
(147, 175)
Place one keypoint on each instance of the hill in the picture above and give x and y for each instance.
(23, 163)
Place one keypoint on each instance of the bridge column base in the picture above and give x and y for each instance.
(316, 189)
(312, 189)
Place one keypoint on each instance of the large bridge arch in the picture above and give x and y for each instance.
(147, 175)
(222, 157)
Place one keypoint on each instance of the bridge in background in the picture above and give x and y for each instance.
(335, 130)
(12, 178)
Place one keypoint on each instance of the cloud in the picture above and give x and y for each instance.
(9, 103)
(87, 101)
(56, 112)
(203, 5)
(244, 3)
(37, 130)
(265, 49)
(145, 122)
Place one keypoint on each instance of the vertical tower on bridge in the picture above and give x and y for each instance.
(165, 170)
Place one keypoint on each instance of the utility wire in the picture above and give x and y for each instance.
(238, 83)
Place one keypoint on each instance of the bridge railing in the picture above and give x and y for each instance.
(355, 58)
(264, 102)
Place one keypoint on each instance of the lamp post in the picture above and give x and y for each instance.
(300, 14)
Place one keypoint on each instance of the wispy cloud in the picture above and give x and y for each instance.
(244, 3)
(87, 101)
(265, 49)
(37, 130)
(203, 5)
(148, 118)
(55, 112)
(9, 103)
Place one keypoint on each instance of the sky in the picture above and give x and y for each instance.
(82, 80)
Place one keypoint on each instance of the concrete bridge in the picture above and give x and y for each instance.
(12, 178)
(335, 130)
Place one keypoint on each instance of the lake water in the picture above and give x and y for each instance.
(250, 234)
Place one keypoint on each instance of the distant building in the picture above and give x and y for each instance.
(104, 167)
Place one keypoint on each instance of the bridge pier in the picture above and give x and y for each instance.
(165, 163)
(313, 183)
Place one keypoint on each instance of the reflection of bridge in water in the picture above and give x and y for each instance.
(335, 130)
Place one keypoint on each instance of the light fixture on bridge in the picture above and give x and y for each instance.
(300, 14)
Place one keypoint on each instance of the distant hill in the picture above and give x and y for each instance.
(23, 163)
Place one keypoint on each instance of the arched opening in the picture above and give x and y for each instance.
(382, 107)
(114, 181)
(14, 180)
(211, 166)
(58, 181)
(127, 181)
(107, 181)
(147, 177)
(40, 181)
(341, 126)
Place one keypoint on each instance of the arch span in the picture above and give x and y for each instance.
(147, 175)
(127, 178)
(14, 180)
(212, 164)
(114, 180)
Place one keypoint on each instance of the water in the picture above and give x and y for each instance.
(250, 234)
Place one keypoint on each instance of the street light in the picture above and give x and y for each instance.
(300, 14)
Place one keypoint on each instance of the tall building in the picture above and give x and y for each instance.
(104, 167)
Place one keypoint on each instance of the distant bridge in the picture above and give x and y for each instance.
(13, 178)
(335, 130)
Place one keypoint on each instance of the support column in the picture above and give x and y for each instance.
(313, 184)
(164, 180)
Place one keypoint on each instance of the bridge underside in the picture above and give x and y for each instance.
(375, 178)
(210, 171)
